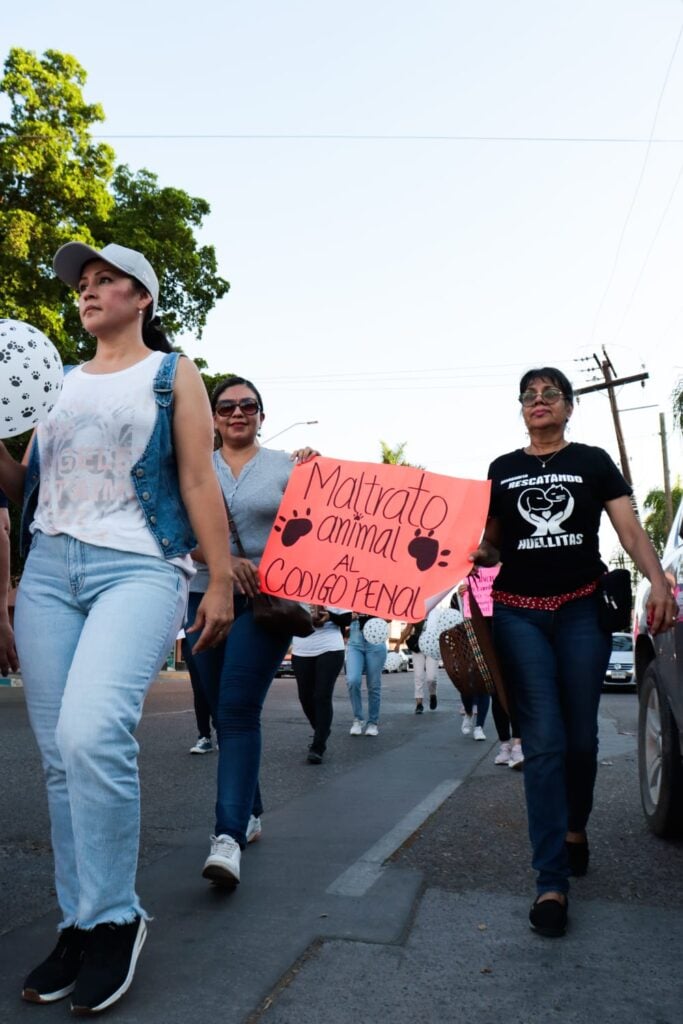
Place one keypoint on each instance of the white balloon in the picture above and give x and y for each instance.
(429, 643)
(375, 631)
(447, 618)
(393, 662)
(31, 376)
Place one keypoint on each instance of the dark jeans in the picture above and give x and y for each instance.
(554, 664)
(315, 679)
(236, 676)
(202, 711)
(482, 700)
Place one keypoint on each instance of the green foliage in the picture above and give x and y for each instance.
(396, 456)
(655, 523)
(678, 406)
(57, 185)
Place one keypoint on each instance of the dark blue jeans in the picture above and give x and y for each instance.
(554, 664)
(236, 676)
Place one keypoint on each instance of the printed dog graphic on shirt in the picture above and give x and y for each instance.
(546, 508)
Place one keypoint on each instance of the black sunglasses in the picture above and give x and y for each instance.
(249, 406)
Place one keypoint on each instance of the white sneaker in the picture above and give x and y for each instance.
(478, 733)
(222, 866)
(357, 728)
(516, 757)
(202, 746)
(503, 755)
(466, 727)
(371, 729)
(253, 829)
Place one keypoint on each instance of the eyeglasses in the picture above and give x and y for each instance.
(249, 406)
(548, 396)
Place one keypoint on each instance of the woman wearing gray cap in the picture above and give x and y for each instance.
(118, 487)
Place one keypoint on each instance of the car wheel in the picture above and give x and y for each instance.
(659, 759)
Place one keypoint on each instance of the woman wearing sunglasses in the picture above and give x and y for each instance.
(237, 674)
(546, 503)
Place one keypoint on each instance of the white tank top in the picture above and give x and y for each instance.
(88, 445)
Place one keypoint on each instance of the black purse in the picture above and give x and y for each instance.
(615, 601)
(275, 614)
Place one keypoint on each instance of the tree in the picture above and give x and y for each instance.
(655, 522)
(678, 405)
(396, 456)
(57, 184)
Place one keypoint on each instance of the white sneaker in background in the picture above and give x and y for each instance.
(253, 829)
(357, 728)
(202, 746)
(371, 729)
(479, 733)
(222, 866)
(503, 755)
(466, 727)
(516, 757)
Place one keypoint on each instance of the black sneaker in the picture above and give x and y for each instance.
(314, 756)
(419, 709)
(549, 918)
(111, 953)
(56, 977)
(433, 702)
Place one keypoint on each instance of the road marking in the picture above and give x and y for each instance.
(364, 872)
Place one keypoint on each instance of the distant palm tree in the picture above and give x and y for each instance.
(394, 456)
(655, 523)
(677, 398)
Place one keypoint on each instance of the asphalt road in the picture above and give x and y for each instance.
(391, 883)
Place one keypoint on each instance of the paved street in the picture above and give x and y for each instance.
(391, 883)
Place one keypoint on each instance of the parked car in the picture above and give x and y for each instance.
(285, 668)
(659, 679)
(620, 670)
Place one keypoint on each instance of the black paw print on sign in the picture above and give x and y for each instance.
(294, 528)
(425, 550)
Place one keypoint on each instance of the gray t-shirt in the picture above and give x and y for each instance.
(253, 498)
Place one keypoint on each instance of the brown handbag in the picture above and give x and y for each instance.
(469, 657)
(275, 614)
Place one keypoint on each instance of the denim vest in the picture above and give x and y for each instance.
(154, 475)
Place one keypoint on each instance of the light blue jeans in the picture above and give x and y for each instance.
(93, 627)
(369, 660)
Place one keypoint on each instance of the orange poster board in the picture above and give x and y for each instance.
(375, 539)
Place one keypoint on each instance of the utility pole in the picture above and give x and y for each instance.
(668, 500)
(612, 381)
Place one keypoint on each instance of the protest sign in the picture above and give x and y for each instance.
(376, 539)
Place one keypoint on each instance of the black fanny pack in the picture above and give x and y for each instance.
(615, 601)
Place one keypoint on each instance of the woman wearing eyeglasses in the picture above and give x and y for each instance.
(237, 674)
(544, 517)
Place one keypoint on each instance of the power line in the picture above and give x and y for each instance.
(638, 184)
(358, 137)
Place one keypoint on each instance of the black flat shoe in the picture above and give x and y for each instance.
(578, 855)
(313, 757)
(549, 918)
(419, 709)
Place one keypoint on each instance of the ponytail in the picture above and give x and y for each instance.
(153, 334)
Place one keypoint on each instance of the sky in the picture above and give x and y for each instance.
(414, 204)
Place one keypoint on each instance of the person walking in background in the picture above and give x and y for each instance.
(425, 667)
(202, 710)
(544, 519)
(237, 674)
(118, 485)
(317, 661)
(480, 582)
(364, 658)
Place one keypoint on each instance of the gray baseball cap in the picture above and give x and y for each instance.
(69, 260)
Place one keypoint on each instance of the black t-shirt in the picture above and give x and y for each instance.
(3, 500)
(549, 518)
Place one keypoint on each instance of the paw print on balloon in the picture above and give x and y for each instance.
(27, 411)
(425, 550)
(15, 381)
(294, 528)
